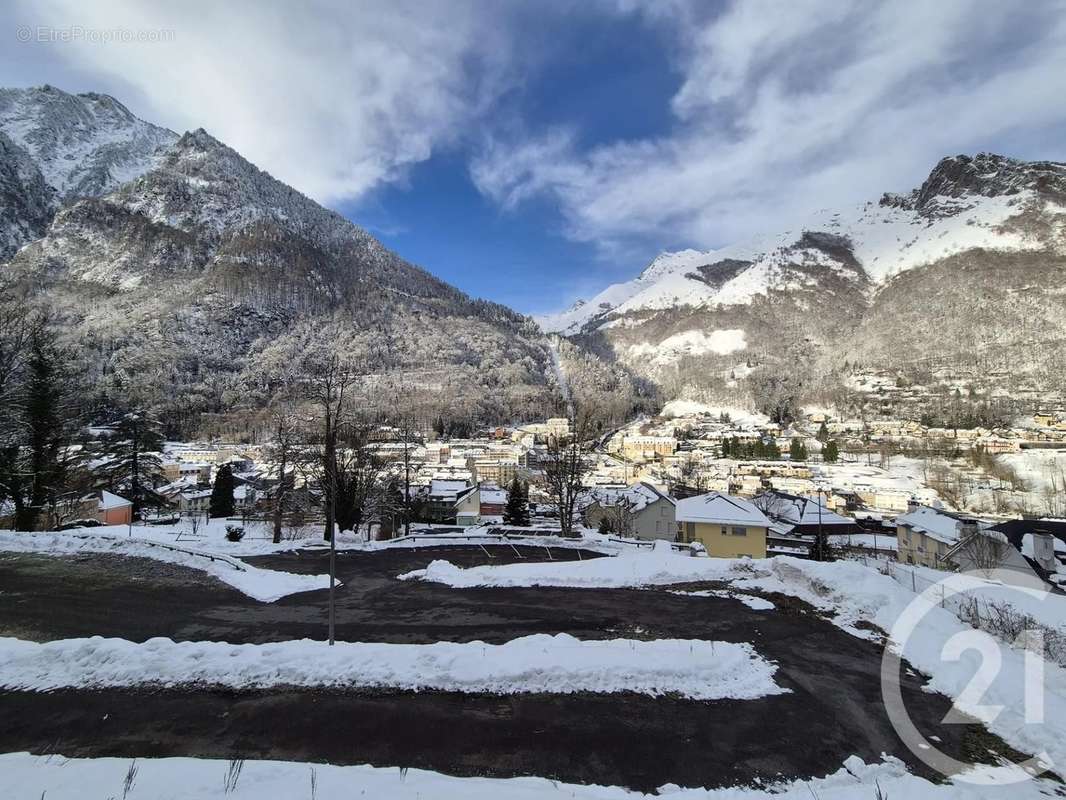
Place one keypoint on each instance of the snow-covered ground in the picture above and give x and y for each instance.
(265, 585)
(23, 775)
(854, 594)
(557, 664)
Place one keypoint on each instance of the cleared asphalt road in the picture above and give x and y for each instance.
(834, 709)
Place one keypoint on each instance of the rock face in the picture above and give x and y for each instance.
(56, 147)
(962, 275)
(189, 278)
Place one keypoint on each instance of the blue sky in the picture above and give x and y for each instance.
(608, 80)
(532, 153)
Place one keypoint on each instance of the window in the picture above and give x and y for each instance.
(740, 531)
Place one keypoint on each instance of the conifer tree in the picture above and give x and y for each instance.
(823, 433)
(222, 493)
(831, 452)
(131, 458)
(516, 512)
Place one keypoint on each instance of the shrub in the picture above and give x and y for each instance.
(234, 533)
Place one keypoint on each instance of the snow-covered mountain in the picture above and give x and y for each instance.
(56, 147)
(190, 278)
(977, 252)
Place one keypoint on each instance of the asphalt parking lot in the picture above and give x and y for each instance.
(834, 708)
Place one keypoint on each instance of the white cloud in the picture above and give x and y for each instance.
(330, 97)
(789, 107)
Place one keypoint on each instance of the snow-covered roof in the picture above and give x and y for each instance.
(934, 523)
(719, 507)
(803, 510)
(109, 501)
(494, 496)
(445, 488)
(639, 496)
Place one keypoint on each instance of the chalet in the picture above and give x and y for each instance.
(638, 510)
(728, 526)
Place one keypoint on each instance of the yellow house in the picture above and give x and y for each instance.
(728, 526)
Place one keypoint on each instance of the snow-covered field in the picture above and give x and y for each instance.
(265, 585)
(23, 775)
(557, 664)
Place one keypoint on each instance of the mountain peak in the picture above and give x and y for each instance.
(84, 145)
(983, 175)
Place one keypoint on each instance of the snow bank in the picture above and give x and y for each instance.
(859, 593)
(59, 778)
(631, 568)
(557, 664)
(480, 535)
(265, 585)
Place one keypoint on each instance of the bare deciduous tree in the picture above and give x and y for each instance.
(565, 465)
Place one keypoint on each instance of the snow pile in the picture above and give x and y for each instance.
(265, 585)
(630, 569)
(481, 535)
(557, 664)
(58, 778)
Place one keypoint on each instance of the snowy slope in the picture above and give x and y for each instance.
(84, 145)
(879, 241)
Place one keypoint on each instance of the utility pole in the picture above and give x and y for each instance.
(332, 546)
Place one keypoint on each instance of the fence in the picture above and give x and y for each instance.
(229, 560)
(997, 617)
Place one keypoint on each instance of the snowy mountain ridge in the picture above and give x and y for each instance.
(85, 145)
(185, 276)
(57, 147)
(964, 204)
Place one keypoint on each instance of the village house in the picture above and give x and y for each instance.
(728, 526)
(114, 510)
(925, 535)
(453, 502)
(1034, 549)
(493, 500)
(639, 510)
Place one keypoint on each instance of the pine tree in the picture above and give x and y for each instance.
(131, 458)
(797, 450)
(516, 512)
(222, 493)
(40, 470)
(725, 448)
(831, 452)
(823, 433)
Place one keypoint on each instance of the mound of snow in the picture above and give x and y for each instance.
(557, 664)
(265, 585)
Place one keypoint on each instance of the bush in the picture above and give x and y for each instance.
(234, 533)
